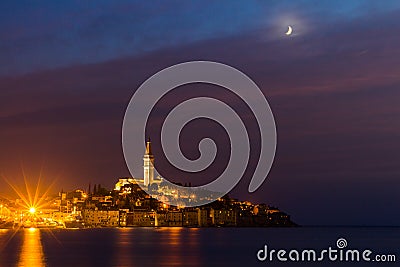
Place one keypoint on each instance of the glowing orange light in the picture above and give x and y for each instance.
(32, 210)
(32, 199)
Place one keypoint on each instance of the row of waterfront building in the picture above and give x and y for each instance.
(129, 205)
(171, 218)
(116, 208)
(137, 208)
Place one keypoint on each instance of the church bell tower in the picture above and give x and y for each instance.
(148, 165)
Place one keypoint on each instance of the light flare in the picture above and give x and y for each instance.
(31, 202)
(32, 210)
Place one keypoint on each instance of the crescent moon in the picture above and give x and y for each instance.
(289, 31)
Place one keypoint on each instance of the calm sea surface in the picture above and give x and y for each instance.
(184, 246)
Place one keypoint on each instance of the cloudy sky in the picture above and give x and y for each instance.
(68, 71)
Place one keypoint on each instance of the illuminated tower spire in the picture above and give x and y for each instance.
(148, 165)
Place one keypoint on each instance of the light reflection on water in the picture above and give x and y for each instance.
(176, 255)
(175, 246)
(124, 242)
(178, 246)
(31, 254)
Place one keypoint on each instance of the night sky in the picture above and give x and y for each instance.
(68, 71)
